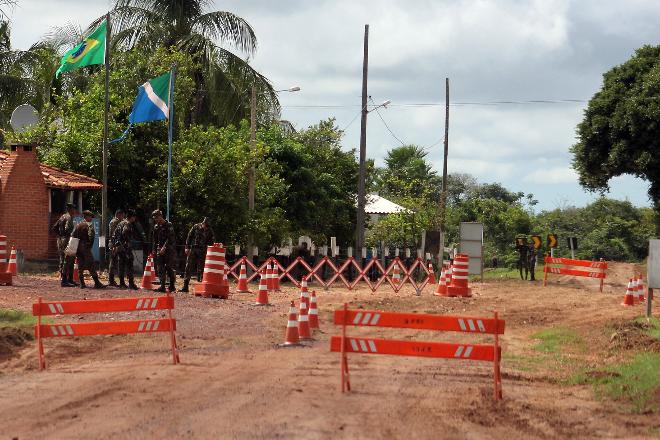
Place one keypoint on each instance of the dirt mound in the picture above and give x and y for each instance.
(633, 335)
(12, 339)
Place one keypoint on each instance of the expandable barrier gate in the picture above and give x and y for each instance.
(371, 318)
(50, 308)
(551, 262)
(386, 273)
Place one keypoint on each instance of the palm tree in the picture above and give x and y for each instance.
(6, 5)
(223, 79)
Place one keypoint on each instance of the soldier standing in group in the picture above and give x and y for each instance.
(164, 243)
(122, 245)
(199, 237)
(63, 229)
(112, 270)
(531, 261)
(84, 232)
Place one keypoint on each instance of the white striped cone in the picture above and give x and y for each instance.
(242, 279)
(276, 277)
(313, 312)
(441, 290)
(629, 299)
(636, 290)
(269, 277)
(303, 321)
(3, 253)
(11, 266)
(431, 274)
(262, 296)
(396, 278)
(291, 337)
(641, 288)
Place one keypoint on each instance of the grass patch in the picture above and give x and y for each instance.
(556, 340)
(16, 318)
(527, 364)
(507, 273)
(636, 382)
(653, 326)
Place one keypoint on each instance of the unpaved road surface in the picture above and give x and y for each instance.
(233, 382)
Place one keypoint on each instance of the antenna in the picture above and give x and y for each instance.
(23, 117)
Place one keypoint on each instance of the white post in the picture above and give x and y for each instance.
(364, 252)
(349, 251)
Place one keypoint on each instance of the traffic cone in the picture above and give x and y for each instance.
(459, 281)
(303, 318)
(629, 299)
(214, 281)
(431, 274)
(76, 276)
(148, 275)
(441, 290)
(635, 290)
(291, 338)
(313, 312)
(269, 277)
(276, 277)
(11, 266)
(396, 278)
(242, 279)
(3, 253)
(262, 296)
(641, 288)
(448, 275)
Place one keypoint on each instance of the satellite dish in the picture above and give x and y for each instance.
(23, 117)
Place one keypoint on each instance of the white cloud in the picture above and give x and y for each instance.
(552, 176)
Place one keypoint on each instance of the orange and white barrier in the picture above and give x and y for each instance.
(242, 279)
(75, 329)
(214, 283)
(459, 277)
(313, 312)
(558, 266)
(148, 274)
(459, 351)
(12, 268)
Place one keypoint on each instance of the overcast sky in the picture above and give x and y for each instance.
(504, 50)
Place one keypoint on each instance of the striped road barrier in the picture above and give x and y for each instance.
(558, 266)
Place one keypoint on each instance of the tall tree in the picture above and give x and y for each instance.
(620, 132)
(222, 79)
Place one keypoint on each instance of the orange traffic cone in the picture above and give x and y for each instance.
(291, 338)
(629, 299)
(269, 277)
(313, 312)
(242, 279)
(148, 275)
(76, 276)
(441, 290)
(262, 296)
(303, 318)
(276, 277)
(396, 278)
(641, 288)
(459, 282)
(11, 266)
(431, 274)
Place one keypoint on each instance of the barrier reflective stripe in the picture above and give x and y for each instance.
(106, 328)
(214, 254)
(420, 321)
(415, 348)
(102, 305)
(209, 270)
(582, 263)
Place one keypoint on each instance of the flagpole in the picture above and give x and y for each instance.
(169, 139)
(104, 193)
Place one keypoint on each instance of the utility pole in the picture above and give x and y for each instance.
(363, 147)
(104, 193)
(251, 179)
(443, 200)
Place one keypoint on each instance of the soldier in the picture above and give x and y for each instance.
(531, 261)
(84, 232)
(122, 244)
(63, 229)
(112, 270)
(199, 237)
(164, 243)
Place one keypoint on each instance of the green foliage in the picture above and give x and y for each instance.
(16, 318)
(620, 133)
(557, 340)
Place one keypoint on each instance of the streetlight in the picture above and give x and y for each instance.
(253, 144)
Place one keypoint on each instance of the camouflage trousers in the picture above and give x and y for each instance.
(195, 263)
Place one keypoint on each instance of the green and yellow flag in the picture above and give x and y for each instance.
(89, 52)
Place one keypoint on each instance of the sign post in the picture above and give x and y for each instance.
(572, 245)
(652, 273)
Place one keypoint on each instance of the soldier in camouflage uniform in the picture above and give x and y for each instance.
(199, 237)
(164, 249)
(84, 232)
(122, 244)
(112, 270)
(63, 229)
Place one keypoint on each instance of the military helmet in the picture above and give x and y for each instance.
(157, 213)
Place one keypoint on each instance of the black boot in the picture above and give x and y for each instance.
(131, 284)
(184, 289)
(97, 283)
(111, 281)
(82, 281)
(122, 284)
(161, 288)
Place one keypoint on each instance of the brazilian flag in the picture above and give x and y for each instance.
(91, 51)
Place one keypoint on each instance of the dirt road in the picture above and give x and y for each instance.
(234, 383)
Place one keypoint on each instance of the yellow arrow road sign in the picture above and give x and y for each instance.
(552, 240)
(537, 241)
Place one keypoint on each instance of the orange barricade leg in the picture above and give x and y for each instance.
(345, 378)
(497, 378)
(175, 353)
(40, 343)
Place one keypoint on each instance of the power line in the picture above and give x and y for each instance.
(385, 123)
(455, 103)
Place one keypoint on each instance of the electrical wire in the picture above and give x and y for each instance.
(442, 104)
(385, 123)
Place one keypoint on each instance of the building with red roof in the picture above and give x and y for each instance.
(33, 196)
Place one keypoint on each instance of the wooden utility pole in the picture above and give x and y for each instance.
(363, 147)
(443, 199)
(251, 180)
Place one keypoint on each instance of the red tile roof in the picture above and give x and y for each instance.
(61, 179)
